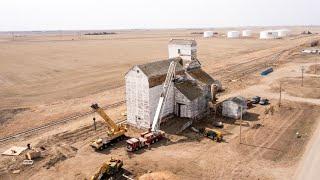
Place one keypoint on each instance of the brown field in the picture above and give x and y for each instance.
(47, 77)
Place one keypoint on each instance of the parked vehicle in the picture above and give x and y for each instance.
(256, 100)
(108, 170)
(212, 134)
(264, 102)
(218, 124)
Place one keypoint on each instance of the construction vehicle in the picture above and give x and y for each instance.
(212, 134)
(115, 132)
(154, 134)
(108, 170)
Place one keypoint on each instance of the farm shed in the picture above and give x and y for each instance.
(232, 107)
(208, 34)
(188, 95)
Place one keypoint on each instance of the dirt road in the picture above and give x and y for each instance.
(309, 166)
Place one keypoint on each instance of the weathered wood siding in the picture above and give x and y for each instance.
(137, 98)
(154, 95)
(186, 51)
(194, 109)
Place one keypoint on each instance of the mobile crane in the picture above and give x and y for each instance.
(154, 134)
(115, 132)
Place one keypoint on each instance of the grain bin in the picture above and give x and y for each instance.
(268, 34)
(283, 32)
(208, 34)
(233, 34)
(246, 33)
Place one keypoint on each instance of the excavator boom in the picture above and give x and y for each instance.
(116, 132)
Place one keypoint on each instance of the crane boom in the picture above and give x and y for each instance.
(166, 86)
(112, 126)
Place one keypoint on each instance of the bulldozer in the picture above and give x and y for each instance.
(212, 134)
(108, 170)
(115, 132)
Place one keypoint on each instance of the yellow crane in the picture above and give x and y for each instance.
(116, 132)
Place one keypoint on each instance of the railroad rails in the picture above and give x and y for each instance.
(249, 67)
(229, 73)
(54, 123)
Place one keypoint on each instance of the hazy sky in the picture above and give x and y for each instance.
(124, 14)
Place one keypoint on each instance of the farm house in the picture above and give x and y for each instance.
(188, 96)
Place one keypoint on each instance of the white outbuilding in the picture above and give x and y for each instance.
(208, 34)
(268, 34)
(283, 32)
(246, 33)
(233, 34)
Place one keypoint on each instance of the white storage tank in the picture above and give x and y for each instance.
(246, 33)
(233, 34)
(283, 32)
(268, 34)
(208, 34)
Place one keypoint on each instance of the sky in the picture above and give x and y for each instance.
(27, 15)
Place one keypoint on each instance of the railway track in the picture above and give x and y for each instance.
(234, 71)
(62, 121)
(249, 67)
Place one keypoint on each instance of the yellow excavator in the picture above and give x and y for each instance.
(108, 170)
(116, 132)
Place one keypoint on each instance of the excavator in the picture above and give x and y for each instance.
(108, 170)
(154, 134)
(115, 132)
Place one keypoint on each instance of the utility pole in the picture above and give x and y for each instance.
(302, 71)
(94, 122)
(280, 94)
(315, 65)
(240, 124)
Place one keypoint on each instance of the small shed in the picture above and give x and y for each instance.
(232, 107)
(246, 33)
(208, 34)
(233, 34)
(268, 34)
